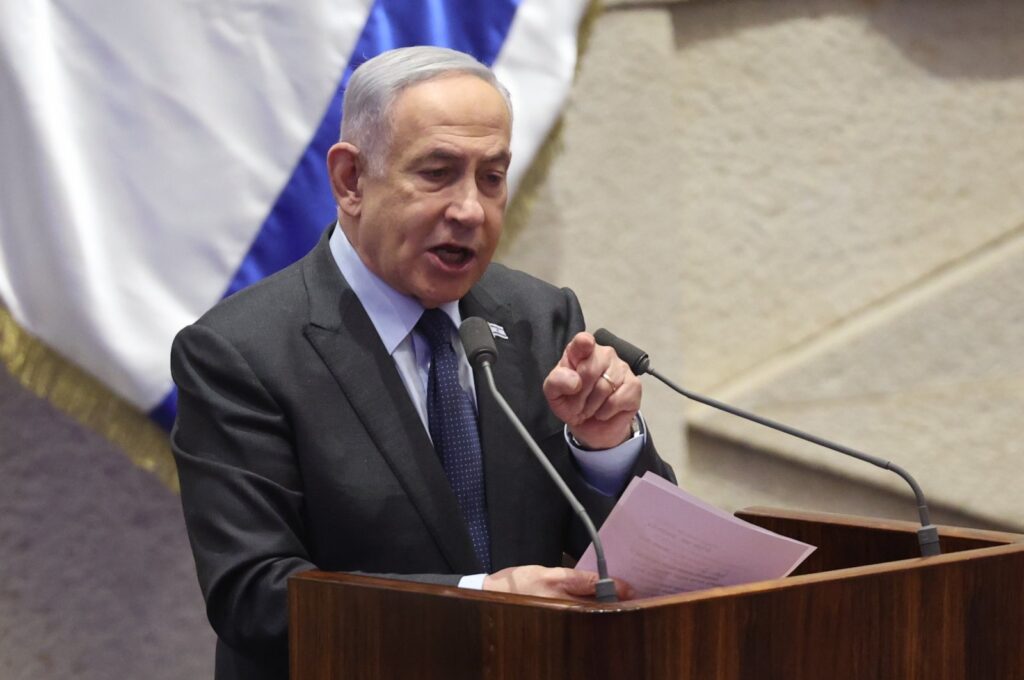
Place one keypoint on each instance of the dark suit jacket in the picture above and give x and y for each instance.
(298, 447)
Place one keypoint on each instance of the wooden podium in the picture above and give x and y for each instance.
(861, 607)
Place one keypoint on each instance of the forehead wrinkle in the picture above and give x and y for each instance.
(502, 156)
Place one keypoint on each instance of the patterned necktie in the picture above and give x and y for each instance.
(453, 428)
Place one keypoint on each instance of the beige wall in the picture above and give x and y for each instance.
(814, 210)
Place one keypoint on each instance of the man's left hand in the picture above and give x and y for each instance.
(593, 391)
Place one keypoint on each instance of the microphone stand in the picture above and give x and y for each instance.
(640, 363)
(478, 342)
(927, 535)
(604, 590)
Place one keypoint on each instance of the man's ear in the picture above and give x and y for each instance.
(345, 165)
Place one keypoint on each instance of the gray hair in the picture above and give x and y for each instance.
(374, 86)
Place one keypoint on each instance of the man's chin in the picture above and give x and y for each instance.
(437, 295)
(435, 284)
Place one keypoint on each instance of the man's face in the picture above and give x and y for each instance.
(429, 224)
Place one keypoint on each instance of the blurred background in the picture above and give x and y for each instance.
(813, 210)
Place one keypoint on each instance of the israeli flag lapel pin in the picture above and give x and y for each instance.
(497, 331)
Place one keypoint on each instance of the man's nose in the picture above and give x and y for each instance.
(465, 206)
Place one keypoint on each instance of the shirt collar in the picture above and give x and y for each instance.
(393, 314)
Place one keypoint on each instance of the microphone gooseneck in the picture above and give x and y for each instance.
(639, 363)
(478, 342)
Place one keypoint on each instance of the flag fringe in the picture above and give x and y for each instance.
(47, 374)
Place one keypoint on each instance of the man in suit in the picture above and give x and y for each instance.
(308, 434)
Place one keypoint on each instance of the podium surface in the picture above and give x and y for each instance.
(862, 606)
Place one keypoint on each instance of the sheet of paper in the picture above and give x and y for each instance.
(663, 540)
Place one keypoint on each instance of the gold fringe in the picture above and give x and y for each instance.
(50, 376)
(522, 204)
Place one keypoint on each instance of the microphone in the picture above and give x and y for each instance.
(478, 342)
(640, 363)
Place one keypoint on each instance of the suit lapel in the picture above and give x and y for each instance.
(503, 451)
(346, 341)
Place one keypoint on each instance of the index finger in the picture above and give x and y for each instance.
(579, 348)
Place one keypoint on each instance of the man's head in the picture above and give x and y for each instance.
(420, 173)
(374, 86)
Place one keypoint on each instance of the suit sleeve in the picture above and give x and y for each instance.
(240, 490)
(242, 493)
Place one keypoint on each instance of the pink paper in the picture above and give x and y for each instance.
(662, 540)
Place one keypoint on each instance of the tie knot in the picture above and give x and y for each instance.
(436, 326)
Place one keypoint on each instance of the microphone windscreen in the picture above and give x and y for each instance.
(637, 359)
(478, 341)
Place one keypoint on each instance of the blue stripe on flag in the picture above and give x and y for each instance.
(306, 205)
(164, 413)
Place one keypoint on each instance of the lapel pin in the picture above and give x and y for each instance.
(497, 331)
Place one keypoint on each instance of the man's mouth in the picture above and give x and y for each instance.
(452, 255)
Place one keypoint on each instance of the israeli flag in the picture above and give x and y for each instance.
(158, 156)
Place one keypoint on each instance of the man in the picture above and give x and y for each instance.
(315, 410)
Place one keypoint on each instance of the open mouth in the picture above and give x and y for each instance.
(452, 255)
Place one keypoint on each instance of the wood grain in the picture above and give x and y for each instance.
(865, 609)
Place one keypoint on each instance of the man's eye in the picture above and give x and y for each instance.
(434, 173)
(494, 178)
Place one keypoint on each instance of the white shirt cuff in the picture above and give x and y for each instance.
(608, 470)
(473, 581)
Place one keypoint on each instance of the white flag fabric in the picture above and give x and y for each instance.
(161, 155)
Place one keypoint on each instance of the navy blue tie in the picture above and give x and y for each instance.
(453, 428)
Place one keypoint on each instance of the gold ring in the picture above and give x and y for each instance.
(610, 381)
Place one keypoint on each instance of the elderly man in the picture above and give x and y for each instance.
(328, 418)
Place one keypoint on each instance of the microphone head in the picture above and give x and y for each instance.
(637, 359)
(478, 341)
